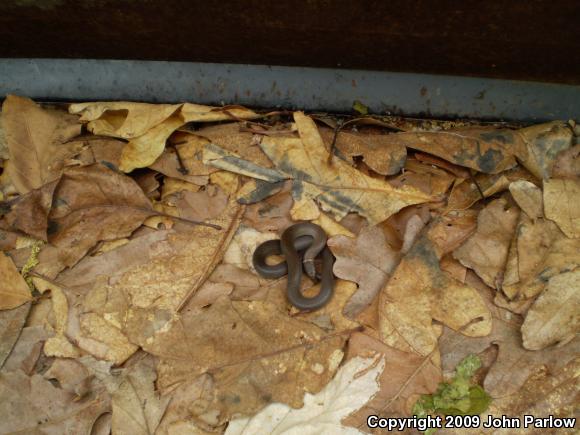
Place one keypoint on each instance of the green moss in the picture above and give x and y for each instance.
(31, 263)
(456, 397)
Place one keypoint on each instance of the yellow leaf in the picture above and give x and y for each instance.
(148, 126)
(562, 205)
(336, 185)
(555, 315)
(486, 251)
(528, 197)
(38, 141)
(13, 289)
(143, 150)
(419, 292)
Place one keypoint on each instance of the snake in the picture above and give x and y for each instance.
(300, 244)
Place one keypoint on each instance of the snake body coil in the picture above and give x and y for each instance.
(303, 237)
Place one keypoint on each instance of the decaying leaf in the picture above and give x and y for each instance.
(514, 363)
(465, 193)
(367, 260)
(11, 324)
(13, 289)
(554, 317)
(29, 212)
(419, 292)
(528, 197)
(541, 252)
(148, 126)
(90, 204)
(547, 393)
(152, 320)
(486, 251)
(337, 186)
(487, 150)
(114, 312)
(354, 385)
(562, 206)
(27, 350)
(272, 214)
(37, 141)
(567, 164)
(380, 155)
(541, 145)
(405, 376)
(34, 405)
(137, 407)
(254, 354)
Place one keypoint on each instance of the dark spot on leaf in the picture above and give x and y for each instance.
(501, 136)
(488, 161)
(52, 227)
(263, 190)
(424, 250)
(109, 165)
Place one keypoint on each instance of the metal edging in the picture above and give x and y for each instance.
(311, 89)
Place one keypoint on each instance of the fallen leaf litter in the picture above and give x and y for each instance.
(136, 223)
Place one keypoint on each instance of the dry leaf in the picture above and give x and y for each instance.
(419, 292)
(113, 306)
(562, 206)
(183, 160)
(528, 197)
(27, 349)
(546, 394)
(37, 140)
(254, 353)
(514, 364)
(228, 136)
(378, 152)
(29, 212)
(367, 260)
(540, 146)
(137, 407)
(272, 214)
(456, 170)
(13, 289)
(486, 150)
(91, 204)
(241, 249)
(59, 345)
(143, 150)
(97, 149)
(465, 193)
(567, 164)
(11, 324)
(122, 119)
(554, 317)
(542, 251)
(453, 230)
(405, 377)
(113, 263)
(333, 316)
(486, 251)
(72, 376)
(148, 126)
(337, 186)
(34, 405)
(8, 240)
(354, 385)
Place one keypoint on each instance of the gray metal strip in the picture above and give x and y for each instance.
(289, 87)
